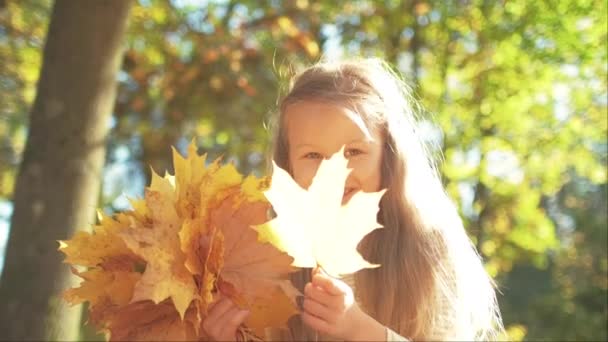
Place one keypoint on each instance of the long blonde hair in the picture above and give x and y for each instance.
(432, 284)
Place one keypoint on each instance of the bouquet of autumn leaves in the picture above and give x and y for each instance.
(152, 273)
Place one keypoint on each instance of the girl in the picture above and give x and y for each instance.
(431, 284)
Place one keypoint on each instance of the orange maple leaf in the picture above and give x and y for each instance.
(250, 266)
(253, 274)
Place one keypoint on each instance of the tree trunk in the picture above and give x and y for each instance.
(59, 178)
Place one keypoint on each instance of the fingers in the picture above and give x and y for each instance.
(319, 310)
(331, 285)
(223, 320)
(231, 321)
(316, 323)
(328, 305)
(220, 307)
(319, 270)
(321, 296)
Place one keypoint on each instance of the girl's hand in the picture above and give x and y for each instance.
(329, 307)
(223, 320)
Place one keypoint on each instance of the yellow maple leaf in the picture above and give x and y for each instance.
(98, 284)
(313, 226)
(213, 247)
(270, 310)
(165, 275)
(199, 190)
(189, 173)
(101, 247)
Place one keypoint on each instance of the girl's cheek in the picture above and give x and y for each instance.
(366, 173)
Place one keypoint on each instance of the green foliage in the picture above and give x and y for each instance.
(568, 299)
(23, 27)
(206, 72)
(517, 88)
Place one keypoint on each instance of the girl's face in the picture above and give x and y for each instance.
(316, 130)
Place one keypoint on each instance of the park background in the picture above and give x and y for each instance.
(513, 98)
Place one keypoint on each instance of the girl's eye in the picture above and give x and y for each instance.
(313, 155)
(352, 152)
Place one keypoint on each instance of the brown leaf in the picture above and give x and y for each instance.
(254, 273)
(250, 266)
(146, 321)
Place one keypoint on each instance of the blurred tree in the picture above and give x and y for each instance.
(515, 98)
(59, 178)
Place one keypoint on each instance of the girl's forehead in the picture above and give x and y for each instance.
(307, 120)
